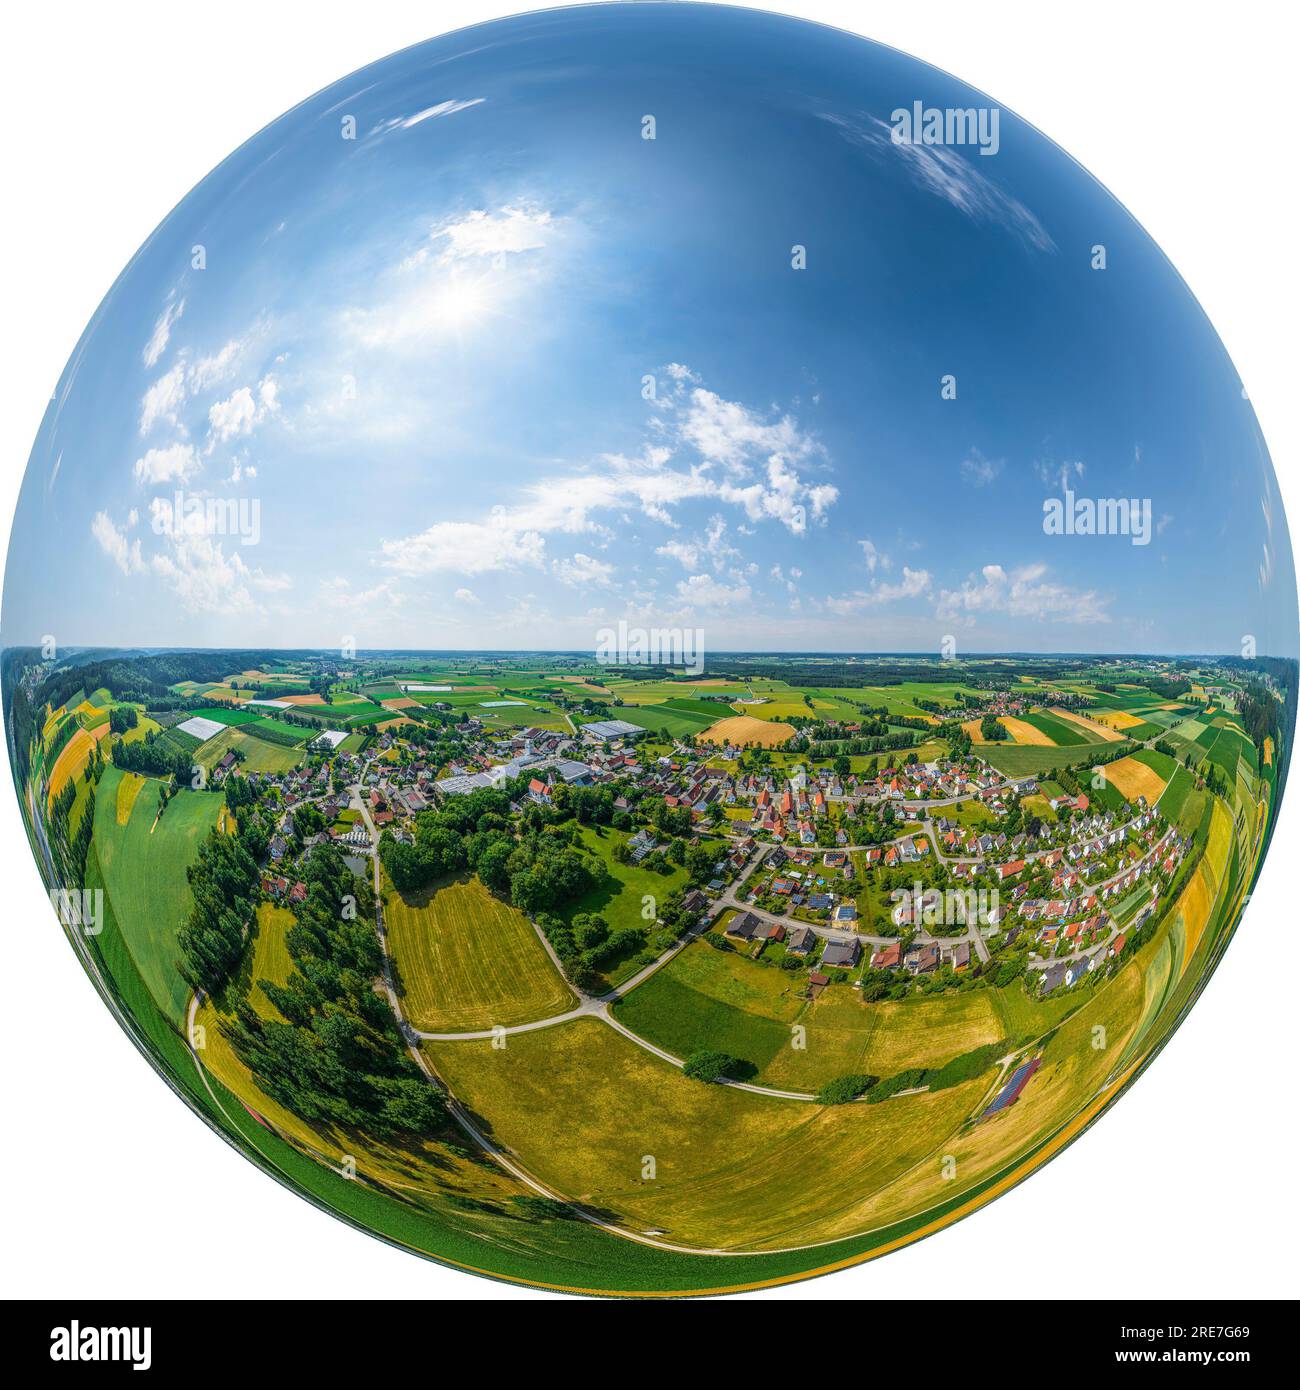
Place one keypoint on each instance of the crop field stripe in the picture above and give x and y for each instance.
(468, 961)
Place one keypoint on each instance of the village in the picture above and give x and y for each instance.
(914, 875)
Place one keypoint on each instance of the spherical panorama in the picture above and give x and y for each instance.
(649, 649)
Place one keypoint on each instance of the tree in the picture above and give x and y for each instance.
(542, 1208)
(845, 1088)
(705, 1065)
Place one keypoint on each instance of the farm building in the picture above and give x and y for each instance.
(607, 730)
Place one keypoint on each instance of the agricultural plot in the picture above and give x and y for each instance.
(663, 719)
(1022, 731)
(257, 754)
(1135, 777)
(202, 729)
(143, 865)
(1017, 761)
(73, 757)
(1175, 797)
(269, 958)
(709, 998)
(465, 960)
(582, 1105)
(1102, 733)
(746, 731)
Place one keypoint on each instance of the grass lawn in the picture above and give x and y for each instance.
(620, 889)
(466, 961)
(143, 868)
(584, 1109)
(259, 755)
(709, 998)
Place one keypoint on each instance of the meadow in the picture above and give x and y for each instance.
(143, 865)
(717, 999)
(733, 1170)
(466, 960)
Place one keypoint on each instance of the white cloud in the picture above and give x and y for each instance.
(704, 591)
(580, 570)
(466, 547)
(174, 462)
(465, 596)
(684, 552)
(950, 175)
(113, 542)
(216, 367)
(163, 400)
(785, 497)
(442, 108)
(241, 412)
(162, 331)
(1023, 592)
(873, 557)
(913, 584)
(979, 471)
(729, 433)
(205, 578)
(509, 232)
(514, 535)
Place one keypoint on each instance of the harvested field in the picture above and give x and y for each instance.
(744, 730)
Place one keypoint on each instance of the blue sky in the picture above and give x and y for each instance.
(422, 354)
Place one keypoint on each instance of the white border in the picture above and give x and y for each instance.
(113, 1188)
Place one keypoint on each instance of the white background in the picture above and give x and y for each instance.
(112, 1188)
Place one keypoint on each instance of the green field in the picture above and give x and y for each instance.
(465, 960)
(251, 722)
(1062, 733)
(258, 754)
(709, 998)
(618, 894)
(143, 867)
(1026, 760)
(664, 719)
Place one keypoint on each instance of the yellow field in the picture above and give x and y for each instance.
(271, 959)
(72, 761)
(1133, 779)
(1218, 847)
(1020, 732)
(395, 722)
(1025, 733)
(583, 1108)
(928, 1032)
(1104, 731)
(1268, 752)
(744, 730)
(1194, 905)
(225, 692)
(400, 702)
(1117, 718)
(127, 791)
(467, 961)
